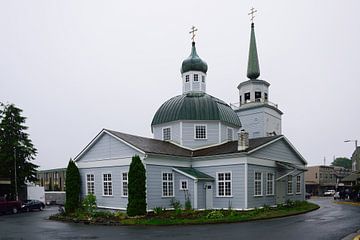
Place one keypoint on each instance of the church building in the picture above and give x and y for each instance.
(217, 155)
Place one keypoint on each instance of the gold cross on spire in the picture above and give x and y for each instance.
(252, 12)
(193, 30)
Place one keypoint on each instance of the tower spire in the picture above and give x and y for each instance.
(253, 71)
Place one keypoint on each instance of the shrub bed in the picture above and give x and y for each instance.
(179, 216)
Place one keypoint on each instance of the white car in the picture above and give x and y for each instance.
(329, 193)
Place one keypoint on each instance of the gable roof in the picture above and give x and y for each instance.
(193, 173)
(150, 145)
(154, 146)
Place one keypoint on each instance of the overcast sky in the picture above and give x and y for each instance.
(76, 67)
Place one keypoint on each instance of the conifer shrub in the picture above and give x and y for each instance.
(72, 201)
(136, 188)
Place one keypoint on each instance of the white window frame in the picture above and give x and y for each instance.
(162, 131)
(181, 186)
(232, 133)
(290, 183)
(127, 184)
(167, 181)
(187, 78)
(197, 77)
(261, 184)
(272, 181)
(202, 78)
(200, 125)
(103, 184)
(87, 183)
(298, 184)
(224, 181)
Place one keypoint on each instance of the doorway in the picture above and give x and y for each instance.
(208, 195)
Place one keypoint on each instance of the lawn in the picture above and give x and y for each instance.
(179, 216)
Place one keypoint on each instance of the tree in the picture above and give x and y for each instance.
(72, 201)
(137, 195)
(16, 148)
(342, 162)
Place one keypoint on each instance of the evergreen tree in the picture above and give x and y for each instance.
(16, 148)
(72, 201)
(136, 188)
(342, 162)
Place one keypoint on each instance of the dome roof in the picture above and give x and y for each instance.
(195, 106)
(193, 62)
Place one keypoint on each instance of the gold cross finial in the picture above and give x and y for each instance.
(193, 30)
(252, 12)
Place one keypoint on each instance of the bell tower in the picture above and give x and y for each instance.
(259, 117)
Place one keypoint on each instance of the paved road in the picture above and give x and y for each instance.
(331, 221)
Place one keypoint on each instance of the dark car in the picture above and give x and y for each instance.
(307, 195)
(29, 205)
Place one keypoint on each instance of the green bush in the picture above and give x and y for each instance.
(175, 204)
(137, 189)
(72, 188)
(215, 215)
(89, 204)
(158, 210)
(120, 215)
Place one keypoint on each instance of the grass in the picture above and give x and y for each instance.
(181, 217)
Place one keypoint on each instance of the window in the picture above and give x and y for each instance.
(230, 134)
(247, 97)
(298, 184)
(166, 134)
(200, 131)
(183, 185)
(320, 175)
(90, 184)
(187, 78)
(196, 77)
(257, 96)
(265, 96)
(315, 175)
(290, 185)
(107, 184)
(203, 79)
(125, 182)
(270, 184)
(167, 185)
(240, 99)
(224, 184)
(258, 184)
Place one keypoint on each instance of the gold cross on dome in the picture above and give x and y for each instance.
(193, 30)
(252, 12)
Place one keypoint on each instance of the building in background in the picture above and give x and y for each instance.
(355, 159)
(52, 179)
(319, 179)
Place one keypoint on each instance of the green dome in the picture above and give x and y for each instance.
(195, 106)
(193, 62)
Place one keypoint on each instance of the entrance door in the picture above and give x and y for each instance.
(208, 196)
(280, 191)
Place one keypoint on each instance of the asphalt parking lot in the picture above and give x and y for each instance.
(331, 221)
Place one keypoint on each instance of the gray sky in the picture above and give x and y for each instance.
(76, 67)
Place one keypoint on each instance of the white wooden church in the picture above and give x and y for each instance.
(219, 155)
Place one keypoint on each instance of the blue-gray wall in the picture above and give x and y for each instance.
(107, 147)
(238, 187)
(115, 201)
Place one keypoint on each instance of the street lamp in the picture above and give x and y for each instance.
(356, 145)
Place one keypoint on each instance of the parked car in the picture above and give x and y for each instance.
(29, 205)
(9, 206)
(307, 195)
(329, 193)
(337, 196)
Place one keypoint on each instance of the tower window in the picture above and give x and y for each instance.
(200, 131)
(257, 96)
(247, 97)
(230, 134)
(166, 134)
(196, 77)
(266, 96)
(203, 79)
(187, 78)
